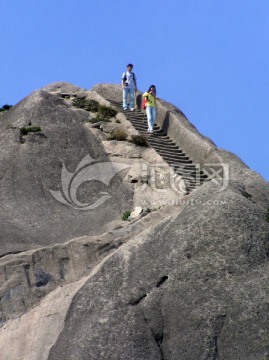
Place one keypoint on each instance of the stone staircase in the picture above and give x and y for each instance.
(166, 148)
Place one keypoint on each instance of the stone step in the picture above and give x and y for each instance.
(119, 108)
(189, 173)
(165, 147)
(171, 161)
(158, 147)
(160, 132)
(188, 166)
(175, 163)
(151, 136)
(148, 135)
(190, 182)
(174, 157)
(192, 171)
(179, 161)
(176, 152)
(160, 141)
(191, 187)
(119, 104)
(193, 178)
(173, 153)
(138, 122)
(135, 115)
(184, 173)
(179, 165)
(144, 127)
(158, 135)
(169, 151)
(180, 168)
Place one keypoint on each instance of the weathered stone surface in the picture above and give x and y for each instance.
(184, 282)
(155, 183)
(32, 335)
(192, 287)
(64, 88)
(109, 127)
(198, 147)
(29, 215)
(64, 263)
(136, 213)
(109, 91)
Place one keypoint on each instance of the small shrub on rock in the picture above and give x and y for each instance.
(139, 140)
(27, 129)
(101, 117)
(5, 107)
(94, 120)
(88, 105)
(119, 135)
(126, 215)
(106, 112)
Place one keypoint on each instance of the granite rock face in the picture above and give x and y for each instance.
(185, 282)
(195, 286)
(31, 167)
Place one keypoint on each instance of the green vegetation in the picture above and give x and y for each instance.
(5, 107)
(139, 140)
(103, 113)
(119, 135)
(27, 129)
(106, 112)
(88, 105)
(98, 118)
(126, 215)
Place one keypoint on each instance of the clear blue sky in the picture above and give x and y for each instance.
(208, 57)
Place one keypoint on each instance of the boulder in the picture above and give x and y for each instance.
(136, 213)
(194, 286)
(187, 281)
(41, 166)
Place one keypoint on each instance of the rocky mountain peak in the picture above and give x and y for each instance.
(186, 277)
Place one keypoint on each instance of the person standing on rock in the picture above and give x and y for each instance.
(129, 87)
(150, 96)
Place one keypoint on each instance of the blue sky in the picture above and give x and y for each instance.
(208, 57)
